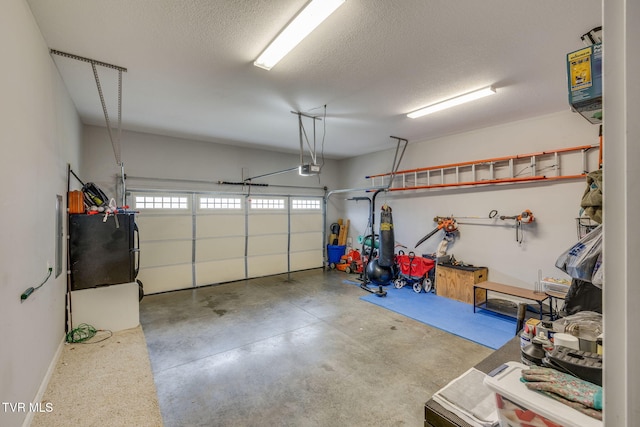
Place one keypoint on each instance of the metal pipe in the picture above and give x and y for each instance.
(348, 190)
(76, 176)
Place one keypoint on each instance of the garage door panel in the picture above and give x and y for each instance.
(163, 279)
(301, 222)
(306, 259)
(155, 253)
(306, 241)
(220, 248)
(263, 245)
(260, 224)
(233, 239)
(164, 227)
(211, 272)
(219, 225)
(266, 265)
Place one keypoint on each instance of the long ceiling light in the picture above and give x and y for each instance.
(471, 96)
(302, 25)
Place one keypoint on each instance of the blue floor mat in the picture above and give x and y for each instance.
(483, 327)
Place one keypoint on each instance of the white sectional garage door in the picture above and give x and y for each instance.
(219, 239)
(267, 236)
(197, 239)
(166, 234)
(306, 233)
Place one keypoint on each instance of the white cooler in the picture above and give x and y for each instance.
(518, 406)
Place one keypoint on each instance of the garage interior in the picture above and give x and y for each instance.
(236, 173)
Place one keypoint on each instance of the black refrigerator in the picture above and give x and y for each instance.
(102, 252)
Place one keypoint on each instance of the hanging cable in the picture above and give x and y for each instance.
(83, 333)
(324, 133)
(27, 293)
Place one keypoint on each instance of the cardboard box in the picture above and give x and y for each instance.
(533, 325)
(518, 406)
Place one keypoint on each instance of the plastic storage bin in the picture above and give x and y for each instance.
(518, 406)
(334, 252)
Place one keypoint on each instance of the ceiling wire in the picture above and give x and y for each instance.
(324, 133)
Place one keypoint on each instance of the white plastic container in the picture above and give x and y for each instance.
(550, 284)
(518, 406)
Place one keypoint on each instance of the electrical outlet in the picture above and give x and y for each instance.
(49, 266)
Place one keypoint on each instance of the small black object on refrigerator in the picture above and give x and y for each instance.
(103, 253)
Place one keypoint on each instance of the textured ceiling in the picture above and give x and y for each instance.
(190, 71)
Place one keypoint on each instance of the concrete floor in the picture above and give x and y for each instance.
(300, 352)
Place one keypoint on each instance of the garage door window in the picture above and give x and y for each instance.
(161, 202)
(305, 204)
(270, 204)
(220, 203)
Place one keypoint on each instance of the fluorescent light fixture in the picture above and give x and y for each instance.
(302, 25)
(471, 96)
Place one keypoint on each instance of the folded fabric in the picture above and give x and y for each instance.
(468, 398)
(575, 392)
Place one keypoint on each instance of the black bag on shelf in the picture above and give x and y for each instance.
(583, 296)
(94, 196)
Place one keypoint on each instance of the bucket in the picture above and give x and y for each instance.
(334, 252)
(76, 202)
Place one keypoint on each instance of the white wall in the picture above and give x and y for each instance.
(165, 159)
(622, 204)
(490, 243)
(41, 135)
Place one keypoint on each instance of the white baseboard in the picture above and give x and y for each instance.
(45, 382)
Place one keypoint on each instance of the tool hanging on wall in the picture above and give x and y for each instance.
(448, 224)
(526, 217)
(492, 214)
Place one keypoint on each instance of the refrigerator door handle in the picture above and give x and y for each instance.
(136, 249)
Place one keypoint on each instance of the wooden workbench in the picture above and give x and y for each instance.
(480, 291)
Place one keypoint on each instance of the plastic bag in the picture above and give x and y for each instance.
(598, 272)
(579, 261)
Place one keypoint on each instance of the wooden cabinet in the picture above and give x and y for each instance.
(457, 282)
